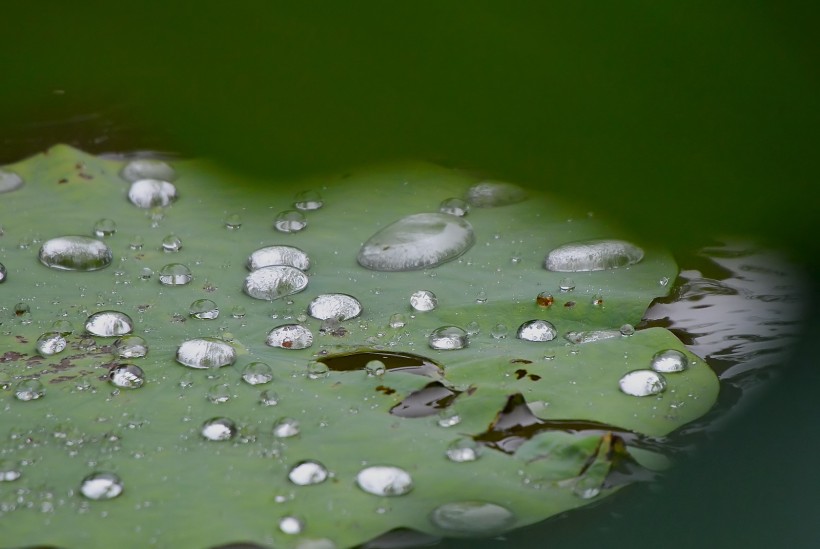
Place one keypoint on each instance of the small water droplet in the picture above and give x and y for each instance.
(317, 370)
(126, 376)
(219, 393)
(423, 300)
(207, 352)
(499, 331)
(136, 243)
(131, 346)
(233, 221)
(627, 330)
(101, 486)
(3, 273)
(148, 193)
(104, 227)
(268, 398)
(219, 429)
(669, 361)
(146, 273)
(544, 299)
(238, 311)
(566, 284)
(291, 525)
(592, 255)
(29, 389)
(175, 274)
(454, 206)
(448, 338)
(290, 221)
(275, 282)
(375, 368)
(472, 517)
(338, 306)
(204, 309)
(270, 256)
(598, 300)
(10, 470)
(285, 427)
(591, 336)
(171, 244)
(481, 297)
(75, 253)
(536, 330)
(63, 327)
(382, 480)
(463, 449)
(109, 324)
(147, 168)
(257, 373)
(9, 181)
(397, 320)
(308, 201)
(308, 472)
(290, 336)
(491, 194)
(642, 383)
(51, 343)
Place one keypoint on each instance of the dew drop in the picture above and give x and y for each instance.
(104, 227)
(472, 328)
(233, 221)
(9, 470)
(268, 398)
(238, 311)
(101, 486)
(491, 194)
(285, 427)
(9, 181)
(463, 449)
(481, 297)
(627, 330)
(207, 352)
(291, 525)
(146, 273)
(126, 376)
(396, 321)
(279, 255)
(219, 393)
(131, 346)
(317, 370)
(290, 221)
(308, 472)
(109, 324)
(669, 361)
(375, 368)
(51, 343)
(642, 383)
(175, 274)
(219, 429)
(171, 244)
(21, 309)
(75, 253)
(536, 330)
(308, 201)
(275, 282)
(382, 480)
(448, 338)
(499, 331)
(454, 206)
(423, 300)
(592, 255)
(204, 309)
(257, 373)
(472, 517)
(566, 284)
(149, 193)
(148, 168)
(417, 242)
(29, 389)
(136, 243)
(63, 327)
(338, 306)
(290, 336)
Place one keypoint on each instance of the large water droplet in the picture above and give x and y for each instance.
(9, 181)
(218, 429)
(592, 255)
(131, 346)
(290, 221)
(454, 206)
(279, 255)
(382, 480)
(206, 352)
(149, 193)
(100, 486)
(669, 361)
(338, 306)
(308, 472)
(204, 309)
(29, 389)
(286, 427)
(290, 336)
(423, 300)
(147, 168)
(75, 253)
(51, 343)
(448, 338)
(109, 324)
(257, 373)
(274, 282)
(417, 242)
(175, 274)
(642, 383)
(126, 376)
(490, 194)
(105, 227)
(472, 517)
(536, 330)
(308, 201)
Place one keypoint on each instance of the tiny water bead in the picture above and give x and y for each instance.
(218, 429)
(384, 480)
(75, 253)
(290, 221)
(9, 181)
(375, 368)
(274, 282)
(207, 352)
(308, 201)
(109, 324)
(472, 518)
(448, 338)
(592, 255)
(150, 193)
(544, 299)
(291, 525)
(285, 427)
(642, 383)
(148, 168)
(454, 206)
(417, 242)
(105, 227)
(463, 449)
(338, 306)
(499, 331)
(203, 309)
(257, 373)
(491, 194)
(566, 284)
(175, 274)
(131, 346)
(536, 330)
(101, 486)
(171, 244)
(290, 336)
(669, 361)
(51, 343)
(29, 389)
(126, 376)
(423, 300)
(308, 472)
(279, 255)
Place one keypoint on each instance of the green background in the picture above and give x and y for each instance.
(684, 121)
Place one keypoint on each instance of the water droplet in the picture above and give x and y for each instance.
(29, 389)
(338, 306)
(499, 331)
(275, 282)
(317, 370)
(591, 336)
(491, 194)
(472, 517)
(171, 244)
(423, 300)
(454, 206)
(481, 297)
(219, 393)
(126, 376)
(669, 361)
(9, 181)
(148, 193)
(268, 398)
(290, 221)
(417, 242)
(233, 221)
(448, 418)
(536, 330)
(21, 309)
(566, 284)
(204, 309)
(75, 253)
(290, 336)
(463, 449)
(146, 273)
(3, 273)
(308, 201)
(592, 255)
(131, 346)
(544, 299)
(101, 486)
(207, 352)
(285, 427)
(308, 472)
(664, 281)
(597, 300)
(642, 383)
(397, 320)
(627, 330)
(375, 368)
(278, 255)
(448, 338)
(257, 373)
(382, 480)
(136, 242)
(105, 227)
(148, 168)
(51, 343)
(175, 274)
(9, 470)
(219, 429)
(63, 327)
(109, 324)
(291, 525)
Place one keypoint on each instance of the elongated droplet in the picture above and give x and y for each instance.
(75, 253)
(592, 255)
(454, 206)
(669, 361)
(472, 517)
(9, 181)
(279, 255)
(591, 336)
(206, 352)
(448, 338)
(126, 376)
(536, 330)
(175, 274)
(146, 168)
(51, 343)
(417, 242)
(384, 481)
(306, 473)
(491, 194)
(150, 193)
(274, 282)
(109, 324)
(100, 486)
(339, 306)
(290, 336)
(218, 429)
(642, 383)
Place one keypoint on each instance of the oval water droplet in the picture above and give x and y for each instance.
(257, 373)
(491, 194)
(279, 255)
(101, 486)
(476, 518)
(308, 201)
(126, 376)
(286, 427)
(417, 242)
(536, 330)
(423, 300)
(592, 255)
(109, 324)
(382, 480)
(149, 193)
(338, 306)
(274, 282)
(291, 525)
(148, 168)
(308, 472)
(29, 389)
(171, 244)
(448, 338)
(175, 274)
(290, 221)
(463, 449)
(131, 346)
(204, 309)
(75, 253)
(290, 336)
(206, 352)
(10, 470)
(454, 206)
(642, 383)
(669, 361)
(9, 181)
(51, 343)
(104, 227)
(218, 429)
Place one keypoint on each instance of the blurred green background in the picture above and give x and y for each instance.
(682, 120)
